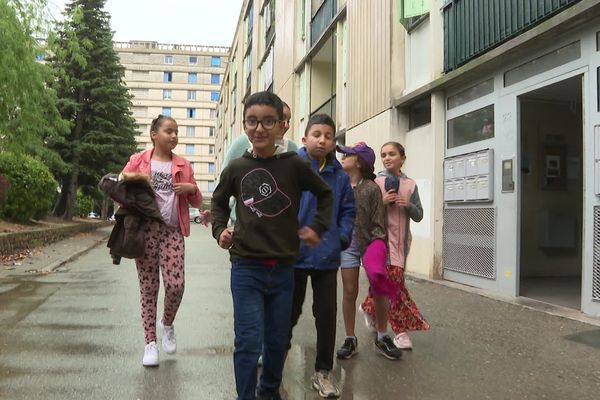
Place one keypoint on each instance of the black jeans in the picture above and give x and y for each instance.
(324, 308)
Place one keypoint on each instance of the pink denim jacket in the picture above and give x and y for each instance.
(182, 172)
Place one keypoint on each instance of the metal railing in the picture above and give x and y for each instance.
(473, 27)
(150, 45)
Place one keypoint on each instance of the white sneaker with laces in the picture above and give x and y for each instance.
(150, 355)
(402, 341)
(323, 382)
(369, 321)
(169, 343)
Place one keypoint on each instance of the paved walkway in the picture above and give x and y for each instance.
(76, 334)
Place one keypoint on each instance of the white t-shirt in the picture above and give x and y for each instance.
(162, 183)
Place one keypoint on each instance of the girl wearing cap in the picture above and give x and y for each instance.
(369, 240)
(402, 202)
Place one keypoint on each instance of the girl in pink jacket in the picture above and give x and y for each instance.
(172, 179)
(401, 199)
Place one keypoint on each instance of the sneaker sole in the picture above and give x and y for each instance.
(325, 396)
(348, 357)
(150, 365)
(383, 353)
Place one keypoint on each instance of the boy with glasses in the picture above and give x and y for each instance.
(267, 183)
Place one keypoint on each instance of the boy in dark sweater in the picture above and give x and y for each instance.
(267, 184)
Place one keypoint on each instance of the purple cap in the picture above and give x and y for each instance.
(362, 150)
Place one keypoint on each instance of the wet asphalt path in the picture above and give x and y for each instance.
(77, 334)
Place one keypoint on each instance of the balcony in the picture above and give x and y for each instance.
(473, 27)
(322, 20)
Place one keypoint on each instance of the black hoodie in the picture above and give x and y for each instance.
(267, 193)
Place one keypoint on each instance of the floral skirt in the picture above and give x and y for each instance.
(403, 315)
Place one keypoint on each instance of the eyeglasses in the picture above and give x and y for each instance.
(267, 123)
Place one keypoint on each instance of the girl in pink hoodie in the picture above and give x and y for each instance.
(402, 202)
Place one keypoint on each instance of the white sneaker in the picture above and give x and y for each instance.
(168, 338)
(323, 382)
(369, 321)
(402, 341)
(150, 355)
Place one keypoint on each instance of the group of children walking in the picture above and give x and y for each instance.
(299, 215)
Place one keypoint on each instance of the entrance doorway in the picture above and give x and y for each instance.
(551, 124)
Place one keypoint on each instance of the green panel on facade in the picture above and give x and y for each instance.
(472, 27)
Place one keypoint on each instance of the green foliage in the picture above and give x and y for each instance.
(92, 97)
(32, 190)
(85, 204)
(28, 108)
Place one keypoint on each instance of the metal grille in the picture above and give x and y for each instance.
(470, 241)
(596, 273)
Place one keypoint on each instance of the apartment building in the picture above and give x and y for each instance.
(181, 81)
(496, 102)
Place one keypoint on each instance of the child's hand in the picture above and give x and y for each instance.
(390, 197)
(403, 201)
(309, 236)
(184, 188)
(205, 217)
(226, 238)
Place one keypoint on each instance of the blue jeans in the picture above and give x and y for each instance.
(262, 308)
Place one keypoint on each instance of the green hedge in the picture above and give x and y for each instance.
(32, 187)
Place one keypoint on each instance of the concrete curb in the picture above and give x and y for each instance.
(523, 302)
(55, 265)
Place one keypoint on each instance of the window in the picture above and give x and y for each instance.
(211, 168)
(168, 76)
(193, 60)
(191, 113)
(190, 149)
(419, 113)
(472, 93)
(168, 59)
(211, 131)
(191, 95)
(211, 149)
(213, 113)
(167, 94)
(214, 96)
(215, 61)
(193, 165)
(166, 111)
(190, 131)
(471, 127)
(192, 77)
(211, 186)
(215, 79)
(269, 21)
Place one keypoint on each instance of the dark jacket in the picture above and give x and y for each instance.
(139, 207)
(267, 193)
(326, 255)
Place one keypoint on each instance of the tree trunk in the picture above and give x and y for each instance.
(71, 195)
(59, 206)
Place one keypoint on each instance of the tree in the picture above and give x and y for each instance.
(93, 97)
(28, 107)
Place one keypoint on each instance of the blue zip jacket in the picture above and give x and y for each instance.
(326, 255)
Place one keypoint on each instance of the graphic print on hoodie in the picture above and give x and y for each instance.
(261, 194)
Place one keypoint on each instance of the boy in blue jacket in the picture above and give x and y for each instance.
(321, 262)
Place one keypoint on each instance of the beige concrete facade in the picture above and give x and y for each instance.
(182, 81)
(351, 65)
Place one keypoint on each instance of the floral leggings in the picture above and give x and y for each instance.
(165, 248)
(404, 315)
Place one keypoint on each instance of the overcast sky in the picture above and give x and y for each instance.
(204, 22)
